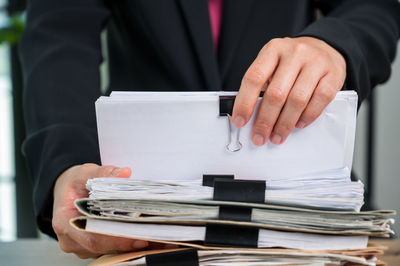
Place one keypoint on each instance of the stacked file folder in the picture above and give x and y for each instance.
(225, 257)
(199, 182)
(335, 192)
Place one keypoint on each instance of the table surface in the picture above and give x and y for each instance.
(47, 252)
(36, 252)
(392, 255)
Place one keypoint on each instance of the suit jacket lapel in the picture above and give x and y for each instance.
(198, 21)
(235, 15)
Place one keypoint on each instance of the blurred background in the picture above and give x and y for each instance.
(376, 159)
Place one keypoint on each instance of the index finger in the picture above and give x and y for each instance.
(252, 83)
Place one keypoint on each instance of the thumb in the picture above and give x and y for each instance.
(113, 171)
(122, 172)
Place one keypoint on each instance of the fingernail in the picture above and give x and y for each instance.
(258, 140)
(300, 124)
(276, 139)
(238, 121)
(115, 172)
(125, 168)
(139, 244)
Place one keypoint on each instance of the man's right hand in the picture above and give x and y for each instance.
(71, 185)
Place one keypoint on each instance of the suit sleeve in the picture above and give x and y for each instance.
(60, 53)
(365, 32)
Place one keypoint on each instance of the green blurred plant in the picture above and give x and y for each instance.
(11, 33)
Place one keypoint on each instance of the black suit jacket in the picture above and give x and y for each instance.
(166, 45)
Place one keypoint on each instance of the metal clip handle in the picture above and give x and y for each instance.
(239, 145)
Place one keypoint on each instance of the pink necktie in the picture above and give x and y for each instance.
(215, 10)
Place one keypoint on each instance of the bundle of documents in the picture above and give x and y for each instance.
(227, 257)
(184, 135)
(297, 196)
(176, 137)
(332, 192)
(284, 218)
(185, 223)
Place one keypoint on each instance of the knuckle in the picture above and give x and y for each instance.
(244, 109)
(88, 167)
(106, 170)
(310, 115)
(275, 96)
(273, 43)
(298, 100)
(244, 106)
(326, 95)
(254, 76)
(284, 128)
(262, 126)
(300, 48)
(339, 74)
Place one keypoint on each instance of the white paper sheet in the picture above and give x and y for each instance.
(181, 136)
(266, 238)
(258, 258)
(313, 191)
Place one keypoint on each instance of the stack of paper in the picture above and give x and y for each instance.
(184, 222)
(181, 136)
(245, 258)
(284, 218)
(328, 192)
(180, 234)
(170, 140)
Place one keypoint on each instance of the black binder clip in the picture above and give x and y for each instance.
(226, 105)
(208, 180)
(232, 236)
(240, 191)
(225, 109)
(186, 257)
